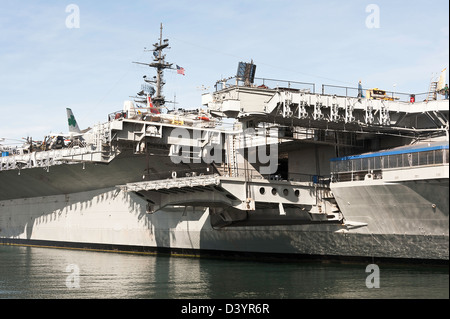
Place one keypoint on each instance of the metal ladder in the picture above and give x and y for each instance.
(231, 151)
(432, 92)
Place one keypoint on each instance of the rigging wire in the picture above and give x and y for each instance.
(260, 63)
(113, 86)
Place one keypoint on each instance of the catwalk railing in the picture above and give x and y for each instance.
(356, 167)
(92, 149)
(326, 89)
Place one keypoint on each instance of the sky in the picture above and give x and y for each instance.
(53, 57)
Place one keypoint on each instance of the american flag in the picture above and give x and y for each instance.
(180, 70)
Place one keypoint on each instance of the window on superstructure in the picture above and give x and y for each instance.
(443, 158)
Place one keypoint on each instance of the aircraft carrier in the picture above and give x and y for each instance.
(265, 168)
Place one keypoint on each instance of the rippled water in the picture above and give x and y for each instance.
(31, 273)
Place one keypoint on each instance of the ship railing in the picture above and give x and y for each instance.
(138, 114)
(326, 89)
(254, 175)
(267, 83)
(49, 158)
(180, 182)
(357, 168)
(354, 92)
(85, 151)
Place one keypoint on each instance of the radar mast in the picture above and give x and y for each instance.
(159, 64)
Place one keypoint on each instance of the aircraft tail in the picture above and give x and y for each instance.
(73, 125)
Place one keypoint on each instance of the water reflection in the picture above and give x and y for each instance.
(42, 273)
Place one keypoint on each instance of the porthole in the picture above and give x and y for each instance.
(285, 192)
(274, 191)
(297, 193)
(262, 191)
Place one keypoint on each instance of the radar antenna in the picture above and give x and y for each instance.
(159, 64)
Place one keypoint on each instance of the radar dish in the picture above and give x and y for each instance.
(246, 73)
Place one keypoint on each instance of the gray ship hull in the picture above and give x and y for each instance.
(405, 218)
(111, 219)
(74, 178)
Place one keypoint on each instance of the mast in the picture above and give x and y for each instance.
(159, 64)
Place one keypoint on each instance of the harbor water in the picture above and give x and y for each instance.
(48, 273)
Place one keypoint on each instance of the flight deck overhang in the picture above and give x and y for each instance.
(291, 107)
